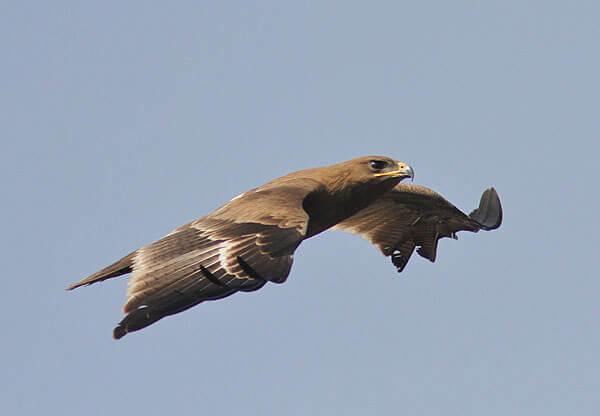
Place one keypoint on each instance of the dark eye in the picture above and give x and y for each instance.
(377, 164)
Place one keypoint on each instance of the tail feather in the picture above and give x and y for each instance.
(123, 266)
(489, 213)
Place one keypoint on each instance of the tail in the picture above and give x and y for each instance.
(489, 213)
(123, 266)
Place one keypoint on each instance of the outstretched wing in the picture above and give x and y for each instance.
(239, 247)
(413, 216)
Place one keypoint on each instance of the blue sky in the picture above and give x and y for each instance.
(122, 121)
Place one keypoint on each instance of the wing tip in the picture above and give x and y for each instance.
(489, 213)
(119, 332)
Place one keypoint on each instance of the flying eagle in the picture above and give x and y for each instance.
(251, 240)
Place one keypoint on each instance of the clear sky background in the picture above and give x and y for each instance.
(123, 120)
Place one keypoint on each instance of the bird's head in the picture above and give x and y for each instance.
(376, 169)
(372, 171)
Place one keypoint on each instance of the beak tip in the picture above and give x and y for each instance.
(410, 173)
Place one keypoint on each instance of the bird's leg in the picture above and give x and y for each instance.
(249, 270)
(212, 277)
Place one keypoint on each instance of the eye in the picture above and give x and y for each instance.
(378, 164)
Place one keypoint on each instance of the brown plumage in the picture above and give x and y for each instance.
(411, 216)
(251, 240)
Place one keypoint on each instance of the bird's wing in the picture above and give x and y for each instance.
(413, 216)
(239, 247)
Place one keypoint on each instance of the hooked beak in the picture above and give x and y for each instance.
(403, 171)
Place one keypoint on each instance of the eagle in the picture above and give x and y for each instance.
(251, 240)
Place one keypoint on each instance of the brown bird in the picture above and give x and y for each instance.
(251, 240)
